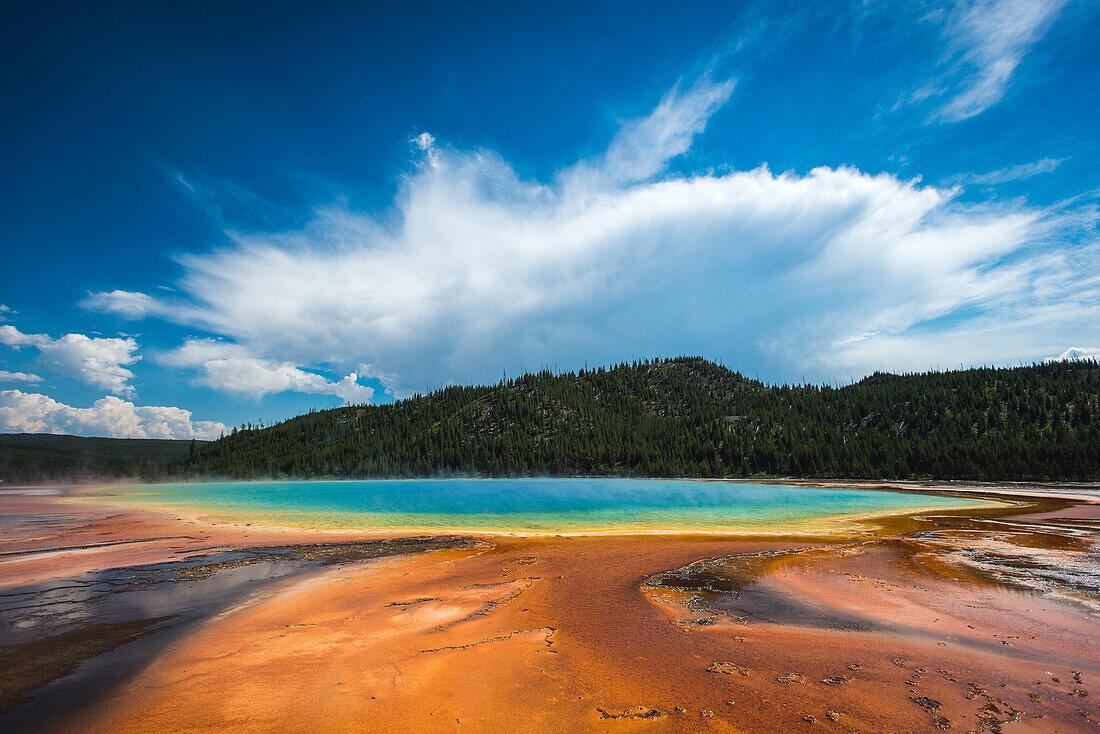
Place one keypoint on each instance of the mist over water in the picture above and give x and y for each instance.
(532, 504)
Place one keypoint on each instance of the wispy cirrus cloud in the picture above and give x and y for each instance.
(643, 147)
(101, 362)
(1018, 172)
(127, 304)
(987, 41)
(6, 376)
(833, 271)
(110, 416)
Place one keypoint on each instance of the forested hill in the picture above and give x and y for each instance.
(690, 417)
(43, 457)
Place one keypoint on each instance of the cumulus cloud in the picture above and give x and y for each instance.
(96, 361)
(232, 368)
(832, 272)
(14, 338)
(109, 416)
(18, 377)
(1080, 353)
(987, 41)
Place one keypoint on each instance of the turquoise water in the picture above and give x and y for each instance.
(534, 505)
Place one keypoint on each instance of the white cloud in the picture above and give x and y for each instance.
(4, 310)
(128, 304)
(109, 416)
(1013, 173)
(987, 41)
(1079, 353)
(14, 338)
(18, 377)
(232, 368)
(97, 361)
(833, 272)
(425, 142)
(644, 147)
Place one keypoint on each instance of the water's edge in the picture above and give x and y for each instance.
(534, 506)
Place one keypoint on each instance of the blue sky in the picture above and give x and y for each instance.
(224, 212)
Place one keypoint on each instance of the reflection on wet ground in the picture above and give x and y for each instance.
(732, 586)
(69, 640)
(16, 526)
(997, 610)
(1057, 559)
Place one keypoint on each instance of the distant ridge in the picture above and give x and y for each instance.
(43, 457)
(690, 417)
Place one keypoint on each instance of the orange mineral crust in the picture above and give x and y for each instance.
(913, 626)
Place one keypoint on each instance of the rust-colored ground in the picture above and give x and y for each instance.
(562, 634)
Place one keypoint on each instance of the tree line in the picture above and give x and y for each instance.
(688, 417)
(29, 458)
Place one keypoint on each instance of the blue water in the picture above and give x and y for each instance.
(535, 505)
